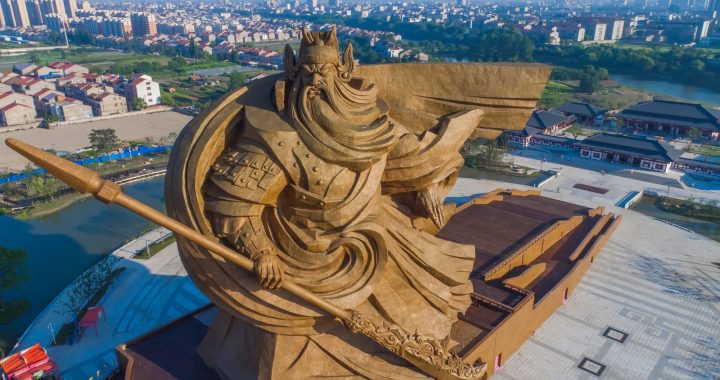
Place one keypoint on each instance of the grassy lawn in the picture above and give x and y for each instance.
(690, 208)
(708, 150)
(555, 94)
(83, 56)
(155, 248)
(579, 130)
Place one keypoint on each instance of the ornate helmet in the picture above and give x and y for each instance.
(319, 48)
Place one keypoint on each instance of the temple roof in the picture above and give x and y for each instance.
(544, 119)
(633, 145)
(671, 112)
(582, 109)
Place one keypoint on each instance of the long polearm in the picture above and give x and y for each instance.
(428, 354)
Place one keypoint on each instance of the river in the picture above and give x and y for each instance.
(64, 244)
(483, 173)
(671, 89)
(646, 205)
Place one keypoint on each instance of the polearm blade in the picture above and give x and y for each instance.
(424, 352)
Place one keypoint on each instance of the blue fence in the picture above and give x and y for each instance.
(125, 153)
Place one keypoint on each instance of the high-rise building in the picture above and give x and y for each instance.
(70, 8)
(313, 4)
(117, 27)
(335, 3)
(14, 13)
(53, 6)
(143, 24)
(55, 22)
(92, 25)
(618, 26)
(34, 12)
(599, 29)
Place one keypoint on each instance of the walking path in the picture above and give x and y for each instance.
(618, 179)
(148, 294)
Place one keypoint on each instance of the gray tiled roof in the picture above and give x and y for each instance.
(582, 109)
(634, 145)
(544, 119)
(671, 112)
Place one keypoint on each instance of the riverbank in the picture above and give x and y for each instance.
(49, 208)
(136, 169)
(64, 244)
(618, 93)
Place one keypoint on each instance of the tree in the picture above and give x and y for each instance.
(104, 140)
(237, 79)
(138, 104)
(167, 99)
(589, 83)
(177, 64)
(44, 186)
(12, 270)
(87, 285)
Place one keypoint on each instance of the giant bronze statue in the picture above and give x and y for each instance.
(313, 196)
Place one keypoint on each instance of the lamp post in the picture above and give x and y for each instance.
(52, 333)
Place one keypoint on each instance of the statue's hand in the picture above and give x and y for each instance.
(430, 201)
(268, 271)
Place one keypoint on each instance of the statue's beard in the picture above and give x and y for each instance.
(342, 124)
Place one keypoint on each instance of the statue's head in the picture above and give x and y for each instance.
(336, 116)
(319, 62)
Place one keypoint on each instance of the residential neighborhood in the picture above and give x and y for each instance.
(64, 91)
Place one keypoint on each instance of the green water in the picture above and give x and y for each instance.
(646, 205)
(482, 173)
(64, 244)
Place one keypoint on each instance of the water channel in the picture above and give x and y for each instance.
(672, 89)
(62, 245)
(493, 175)
(646, 206)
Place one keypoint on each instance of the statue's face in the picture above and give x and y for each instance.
(318, 76)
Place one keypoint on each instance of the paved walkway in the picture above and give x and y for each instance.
(148, 294)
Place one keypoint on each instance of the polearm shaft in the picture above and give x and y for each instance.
(86, 180)
(425, 352)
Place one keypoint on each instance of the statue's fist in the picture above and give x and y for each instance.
(430, 202)
(268, 271)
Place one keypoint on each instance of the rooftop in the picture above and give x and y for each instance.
(544, 119)
(672, 112)
(634, 145)
(582, 109)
